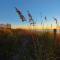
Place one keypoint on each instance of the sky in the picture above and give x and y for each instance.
(48, 8)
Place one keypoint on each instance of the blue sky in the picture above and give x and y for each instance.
(49, 8)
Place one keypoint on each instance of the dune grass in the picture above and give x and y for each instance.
(17, 44)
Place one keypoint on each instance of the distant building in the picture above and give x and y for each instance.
(5, 26)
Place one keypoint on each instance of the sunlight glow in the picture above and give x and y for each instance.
(35, 27)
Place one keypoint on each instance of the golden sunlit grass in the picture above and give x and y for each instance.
(17, 41)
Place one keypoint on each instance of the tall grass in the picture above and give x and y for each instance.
(25, 45)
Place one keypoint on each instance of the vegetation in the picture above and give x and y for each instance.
(18, 44)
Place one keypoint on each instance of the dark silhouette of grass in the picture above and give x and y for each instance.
(19, 44)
